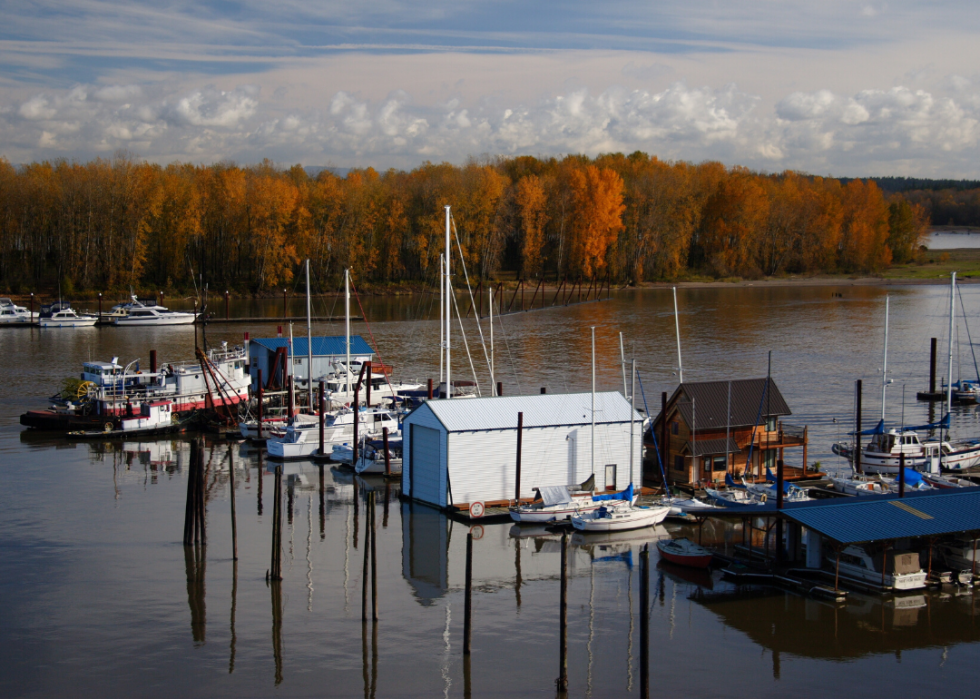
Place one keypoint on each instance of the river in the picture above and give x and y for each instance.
(99, 598)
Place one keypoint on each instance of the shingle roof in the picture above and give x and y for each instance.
(708, 447)
(707, 401)
(549, 410)
(861, 520)
(334, 345)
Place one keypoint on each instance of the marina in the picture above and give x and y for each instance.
(212, 615)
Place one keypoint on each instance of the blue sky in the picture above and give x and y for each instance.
(835, 88)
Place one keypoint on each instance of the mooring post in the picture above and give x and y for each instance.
(932, 365)
(430, 389)
(234, 516)
(468, 596)
(520, 439)
(500, 388)
(384, 438)
(227, 316)
(189, 511)
(367, 386)
(857, 436)
(153, 361)
(901, 472)
(367, 559)
(645, 621)
(374, 563)
(357, 391)
(100, 306)
(201, 501)
(284, 314)
(562, 680)
(323, 412)
(779, 506)
(259, 407)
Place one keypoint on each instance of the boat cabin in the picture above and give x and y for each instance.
(698, 439)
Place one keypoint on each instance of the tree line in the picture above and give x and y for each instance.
(112, 224)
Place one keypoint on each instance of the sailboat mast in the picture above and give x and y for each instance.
(622, 364)
(592, 440)
(493, 384)
(884, 366)
(347, 387)
(677, 327)
(309, 339)
(449, 304)
(949, 362)
(442, 320)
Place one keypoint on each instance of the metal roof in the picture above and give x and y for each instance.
(706, 447)
(334, 345)
(549, 410)
(859, 520)
(707, 402)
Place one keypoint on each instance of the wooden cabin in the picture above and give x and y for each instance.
(699, 439)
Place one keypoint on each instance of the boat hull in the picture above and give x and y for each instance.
(695, 558)
(641, 517)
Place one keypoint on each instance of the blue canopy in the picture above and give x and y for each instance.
(912, 477)
(624, 495)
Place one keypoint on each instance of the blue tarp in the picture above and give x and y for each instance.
(624, 495)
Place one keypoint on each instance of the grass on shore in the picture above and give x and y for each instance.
(939, 264)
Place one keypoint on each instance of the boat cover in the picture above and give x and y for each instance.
(554, 495)
(304, 419)
(623, 495)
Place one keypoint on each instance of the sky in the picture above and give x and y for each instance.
(836, 87)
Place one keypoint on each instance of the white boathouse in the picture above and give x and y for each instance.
(461, 451)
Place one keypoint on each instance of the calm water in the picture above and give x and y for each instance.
(95, 583)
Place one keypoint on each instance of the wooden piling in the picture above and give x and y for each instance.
(384, 437)
(202, 536)
(227, 315)
(857, 435)
(259, 408)
(153, 361)
(323, 412)
(562, 681)
(276, 569)
(663, 435)
(234, 516)
(430, 389)
(189, 511)
(367, 560)
(932, 365)
(374, 561)
(520, 439)
(645, 621)
(901, 473)
(500, 388)
(468, 598)
(367, 386)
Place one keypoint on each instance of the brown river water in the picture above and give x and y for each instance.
(99, 598)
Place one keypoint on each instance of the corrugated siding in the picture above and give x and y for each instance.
(500, 413)
(483, 465)
(332, 345)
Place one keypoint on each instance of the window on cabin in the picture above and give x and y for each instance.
(678, 463)
(718, 463)
(771, 423)
(675, 427)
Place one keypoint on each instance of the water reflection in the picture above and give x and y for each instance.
(195, 565)
(807, 627)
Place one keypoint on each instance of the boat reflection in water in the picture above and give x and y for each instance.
(864, 625)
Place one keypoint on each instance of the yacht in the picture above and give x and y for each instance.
(902, 570)
(884, 450)
(62, 315)
(12, 313)
(140, 314)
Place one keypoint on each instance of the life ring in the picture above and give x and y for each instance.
(477, 532)
(107, 427)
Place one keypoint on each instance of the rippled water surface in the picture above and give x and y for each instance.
(99, 597)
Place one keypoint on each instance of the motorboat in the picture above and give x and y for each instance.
(619, 516)
(684, 552)
(371, 457)
(12, 313)
(553, 504)
(959, 554)
(859, 485)
(791, 493)
(153, 417)
(302, 437)
(883, 453)
(902, 570)
(62, 315)
(140, 314)
(679, 507)
(110, 389)
(734, 498)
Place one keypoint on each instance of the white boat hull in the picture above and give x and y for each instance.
(634, 518)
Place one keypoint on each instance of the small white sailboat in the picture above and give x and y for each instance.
(371, 457)
(620, 515)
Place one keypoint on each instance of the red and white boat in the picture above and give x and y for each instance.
(684, 552)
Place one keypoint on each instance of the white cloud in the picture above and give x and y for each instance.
(899, 130)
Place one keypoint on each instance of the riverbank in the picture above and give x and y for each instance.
(934, 269)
